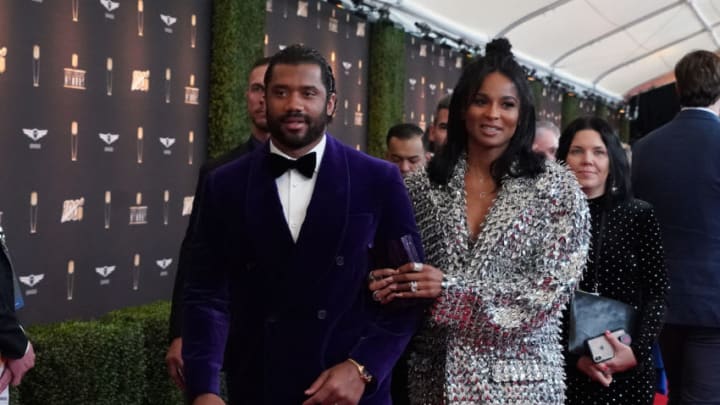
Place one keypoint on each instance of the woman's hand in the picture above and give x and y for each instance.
(596, 372)
(624, 358)
(411, 280)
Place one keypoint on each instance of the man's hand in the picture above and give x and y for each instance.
(340, 385)
(20, 366)
(208, 399)
(174, 362)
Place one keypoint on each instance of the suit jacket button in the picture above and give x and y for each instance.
(322, 314)
(339, 260)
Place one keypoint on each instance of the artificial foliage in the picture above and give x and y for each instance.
(238, 28)
(386, 79)
(570, 109)
(153, 319)
(86, 363)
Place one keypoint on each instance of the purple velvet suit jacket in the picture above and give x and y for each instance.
(289, 310)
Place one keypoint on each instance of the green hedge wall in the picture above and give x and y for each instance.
(386, 81)
(153, 319)
(93, 363)
(238, 28)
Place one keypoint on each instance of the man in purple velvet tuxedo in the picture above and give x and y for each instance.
(281, 259)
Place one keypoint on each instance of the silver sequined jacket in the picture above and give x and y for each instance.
(493, 336)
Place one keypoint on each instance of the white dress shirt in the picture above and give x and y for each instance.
(295, 190)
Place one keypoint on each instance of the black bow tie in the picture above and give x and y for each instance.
(305, 165)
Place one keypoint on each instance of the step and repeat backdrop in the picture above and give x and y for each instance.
(431, 73)
(103, 106)
(343, 39)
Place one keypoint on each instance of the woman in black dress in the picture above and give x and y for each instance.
(629, 266)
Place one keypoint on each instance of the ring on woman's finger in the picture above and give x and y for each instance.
(376, 295)
(417, 266)
(413, 286)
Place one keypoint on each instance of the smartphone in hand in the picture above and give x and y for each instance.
(600, 348)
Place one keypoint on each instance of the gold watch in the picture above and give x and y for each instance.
(364, 375)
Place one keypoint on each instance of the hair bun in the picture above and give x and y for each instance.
(499, 47)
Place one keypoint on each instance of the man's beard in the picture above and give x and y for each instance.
(315, 129)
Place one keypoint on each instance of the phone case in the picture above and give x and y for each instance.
(600, 348)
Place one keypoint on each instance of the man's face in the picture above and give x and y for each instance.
(255, 97)
(438, 131)
(546, 143)
(407, 154)
(297, 105)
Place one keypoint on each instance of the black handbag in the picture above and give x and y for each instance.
(591, 314)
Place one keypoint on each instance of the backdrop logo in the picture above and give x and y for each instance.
(302, 8)
(109, 139)
(36, 65)
(164, 264)
(70, 279)
(136, 272)
(138, 212)
(74, 78)
(187, 205)
(31, 280)
(75, 10)
(360, 31)
(140, 80)
(3, 62)
(35, 135)
(141, 17)
(110, 6)
(169, 21)
(333, 23)
(104, 272)
(192, 93)
(346, 67)
(72, 210)
(33, 211)
(167, 143)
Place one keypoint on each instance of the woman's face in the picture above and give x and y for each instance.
(493, 112)
(588, 159)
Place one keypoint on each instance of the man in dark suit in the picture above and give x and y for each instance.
(255, 98)
(280, 259)
(15, 349)
(677, 169)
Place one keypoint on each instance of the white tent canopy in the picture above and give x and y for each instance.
(609, 46)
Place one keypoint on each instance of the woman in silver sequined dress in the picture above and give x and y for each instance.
(506, 238)
(626, 263)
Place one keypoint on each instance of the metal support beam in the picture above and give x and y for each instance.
(615, 31)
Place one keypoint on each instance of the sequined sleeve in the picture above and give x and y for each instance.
(652, 279)
(526, 276)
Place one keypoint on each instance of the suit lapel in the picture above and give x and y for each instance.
(322, 231)
(266, 221)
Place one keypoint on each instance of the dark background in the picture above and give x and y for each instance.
(50, 172)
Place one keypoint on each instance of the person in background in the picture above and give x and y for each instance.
(547, 135)
(437, 135)
(676, 168)
(17, 355)
(405, 148)
(625, 263)
(506, 236)
(281, 257)
(255, 99)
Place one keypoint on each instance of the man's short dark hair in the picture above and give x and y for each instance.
(698, 79)
(404, 131)
(443, 104)
(297, 55)
(260, 62)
